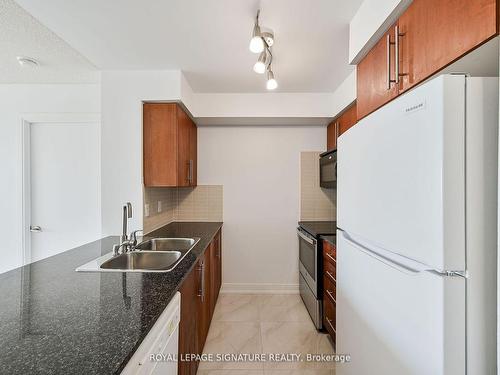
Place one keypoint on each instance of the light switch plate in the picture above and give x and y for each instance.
(159, 206)
(146, 209)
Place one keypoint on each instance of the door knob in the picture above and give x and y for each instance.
(35, 228)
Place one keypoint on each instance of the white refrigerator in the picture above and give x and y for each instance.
(417, 237)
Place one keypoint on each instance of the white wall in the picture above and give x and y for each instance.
(259, 168)
(370, 22)
(16, 100)
(121, 140)
(345, 94)
(263, 105)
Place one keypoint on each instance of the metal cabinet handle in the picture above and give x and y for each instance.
(388, 48)
(331, 275)
(330, 323)
(190, 173)
(203, 283)
(329, 256)
(396, 53)
(330, 294)
(35, 228)
(201, 291)
(397, 35)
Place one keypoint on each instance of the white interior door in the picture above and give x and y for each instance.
(64, 179)
(394, 320)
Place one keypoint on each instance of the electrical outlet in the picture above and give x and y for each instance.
(159, 206)
(146, 209)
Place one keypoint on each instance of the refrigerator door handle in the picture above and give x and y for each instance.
(398, 262)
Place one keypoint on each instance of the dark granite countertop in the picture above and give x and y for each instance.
(330, 239)
(317, 228)
(56, 320)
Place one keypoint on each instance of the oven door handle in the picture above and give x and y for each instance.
(308, 239)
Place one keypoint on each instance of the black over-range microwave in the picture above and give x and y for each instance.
(328, 169)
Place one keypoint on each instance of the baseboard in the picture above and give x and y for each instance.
(260, 288)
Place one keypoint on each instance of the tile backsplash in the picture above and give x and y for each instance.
(316, 203)
(201, 203)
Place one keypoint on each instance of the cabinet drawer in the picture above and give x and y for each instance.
(329, 317)
(329, 287)
(329, 267)
(329, 251)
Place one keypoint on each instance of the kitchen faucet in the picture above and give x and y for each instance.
(127, 214)
(127, 243)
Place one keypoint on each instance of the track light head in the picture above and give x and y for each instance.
(271, 84)
(260, 65)
(256, 43)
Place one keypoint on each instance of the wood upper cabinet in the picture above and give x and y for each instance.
(435, 33)
(340, 125)
(375, 77)
(169, 146)
(432, 34)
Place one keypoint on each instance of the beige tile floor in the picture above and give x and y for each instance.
(244, 323)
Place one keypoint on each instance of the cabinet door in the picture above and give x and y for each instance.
(331, 135)
(374, 75)
(160, 144)
(203, 311)
(436, 33)
(193, 153)
(183, 136)
(188, 343)
(218, 267)
(341, 124)
(348, 119)
(216, 274)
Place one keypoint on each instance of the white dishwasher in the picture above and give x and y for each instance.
(162, 342)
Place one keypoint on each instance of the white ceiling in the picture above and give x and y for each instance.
(22, 35)
(208, 39)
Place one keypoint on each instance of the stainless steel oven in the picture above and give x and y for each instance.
(308, 280)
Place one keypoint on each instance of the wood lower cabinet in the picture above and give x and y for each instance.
(330, 288)
(216, 272)
(169, 146)
(341, 124)
(188, 324)
(204, 310)
(199, 293)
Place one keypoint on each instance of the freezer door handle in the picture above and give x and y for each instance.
(398, 262)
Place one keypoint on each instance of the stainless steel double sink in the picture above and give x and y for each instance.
(153, 255)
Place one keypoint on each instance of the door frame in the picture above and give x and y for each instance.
(27, 120)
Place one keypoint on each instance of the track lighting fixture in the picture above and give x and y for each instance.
(261, 42)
